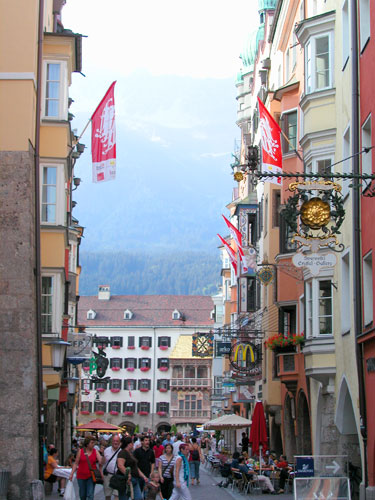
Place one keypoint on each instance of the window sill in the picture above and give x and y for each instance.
(317, 94)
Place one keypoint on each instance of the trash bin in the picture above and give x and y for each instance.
(4, 480)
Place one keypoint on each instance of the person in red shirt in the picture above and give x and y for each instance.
(283, 465)
(158, 451)
(84, 477)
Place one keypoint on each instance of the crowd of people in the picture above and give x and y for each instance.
(155, 466)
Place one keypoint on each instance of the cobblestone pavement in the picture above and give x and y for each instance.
(206, 490)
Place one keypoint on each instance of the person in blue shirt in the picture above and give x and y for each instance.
(167, 440)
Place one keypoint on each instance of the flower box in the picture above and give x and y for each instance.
(143, 413)
(115, 368)
(129, 413)
(144, 390)
(99, 346)
(113, 412)
(145, 368)
(99, 412)
(116, 347)
(130, 368)
(85, 412)
(100, 389)
(161, 413)
(162, 389)
(115, 390)
(86, 368)
(283, 343)
(145, 347)
(163, 347)
(131, 347)
(164, 368)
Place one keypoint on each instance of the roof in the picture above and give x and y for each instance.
(148, 310)
(184, 349)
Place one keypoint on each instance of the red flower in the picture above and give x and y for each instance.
(113, 412)
(129, 413)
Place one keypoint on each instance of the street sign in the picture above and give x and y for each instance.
(314, 261)
(223, 348)
(304, 466)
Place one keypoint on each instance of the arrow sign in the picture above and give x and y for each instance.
(335, 467)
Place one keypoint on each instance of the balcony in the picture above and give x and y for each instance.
(287, 369)
(191, 382)
(190, 413)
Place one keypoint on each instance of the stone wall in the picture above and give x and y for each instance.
(18, 346)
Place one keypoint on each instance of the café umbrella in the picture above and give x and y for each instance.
(258, 432)
(97, 425)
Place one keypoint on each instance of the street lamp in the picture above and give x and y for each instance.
(72, 384)
(58, 353)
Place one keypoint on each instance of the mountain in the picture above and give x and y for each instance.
(149, 273)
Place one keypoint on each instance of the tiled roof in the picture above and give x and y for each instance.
(184, 348)
(148, 310)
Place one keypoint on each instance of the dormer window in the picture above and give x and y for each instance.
(212, 314)
(128, 314)
(91, 314)
(176, 314)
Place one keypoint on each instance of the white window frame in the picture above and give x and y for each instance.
(63, 90)
(310, 59)
(60, 213)
(57, 304)
(312, 308)
(364, 22)
(286, 114)
(345, 29)
(368, 302)
(346, 299)
(73, 257)
(366, 158)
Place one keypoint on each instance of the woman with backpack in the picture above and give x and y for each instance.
(195, 459)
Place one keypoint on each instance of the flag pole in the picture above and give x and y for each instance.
(84, 130)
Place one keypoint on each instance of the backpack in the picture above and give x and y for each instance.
(194, 454)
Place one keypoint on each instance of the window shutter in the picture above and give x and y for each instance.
(159, 341)
(158, 384)
(140, 341)
(126, 362)
(149, 384)
(148, 407)
(157, 406)
(139, 384)
(159, 362)
(149, 362)
(138, 407)
(150, 339)
(169, 341)
(168, 384)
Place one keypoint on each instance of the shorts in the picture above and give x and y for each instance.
(108, 491)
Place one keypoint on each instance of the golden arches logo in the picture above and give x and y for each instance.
(244, 348)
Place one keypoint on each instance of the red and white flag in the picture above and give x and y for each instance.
(130, 392)
(271, 144)
(231, 253)
(103, 139)
(236, 235)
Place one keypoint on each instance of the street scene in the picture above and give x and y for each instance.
(186, 274)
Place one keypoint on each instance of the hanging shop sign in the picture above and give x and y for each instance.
(222, 348)
(202, 345)
(266, 275)
(315, 262)
(79, 348)
(246, 357)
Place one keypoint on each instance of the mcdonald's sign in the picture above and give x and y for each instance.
(245, 356)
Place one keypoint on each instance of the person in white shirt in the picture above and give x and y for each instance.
(110, 460)
(176, 444)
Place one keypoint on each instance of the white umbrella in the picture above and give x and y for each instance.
(227, 422)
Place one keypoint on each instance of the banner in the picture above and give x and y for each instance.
(231, 253)
(271, 144)
(235, 233)
(103, 139)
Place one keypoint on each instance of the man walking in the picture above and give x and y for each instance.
(146, 460)
(110, 457)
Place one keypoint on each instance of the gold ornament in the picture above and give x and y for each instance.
(238, 176)
(315, 213)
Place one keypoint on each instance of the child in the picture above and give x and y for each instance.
(153, 487)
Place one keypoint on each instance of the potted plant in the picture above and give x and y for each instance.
(131, 347)
(163, 389)
(284, 343)
(144, 389)
(115, 368)
(129, 413)
(101, 389)
(116, 347)
(115, 389)
(99, 412)
(145, 368)
(161, 413)
(163, 347)
(85, 412)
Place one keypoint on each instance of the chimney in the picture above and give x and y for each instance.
(104, 292)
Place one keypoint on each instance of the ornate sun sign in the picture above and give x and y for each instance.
(315, 213)
(203, 345)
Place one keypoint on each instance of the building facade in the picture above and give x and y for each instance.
(138, 335)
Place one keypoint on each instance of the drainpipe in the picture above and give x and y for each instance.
(37, 240)
(357, 257)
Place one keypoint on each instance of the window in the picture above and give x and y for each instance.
(131, 341)
(366, 143)
(287, 65)
(164, 342)
(345, 33)
(276, 200)
(47, 304)
(252, 294)
(145, 342)
(177, 372)
(116, 341)
(144, 384)
(266, 215)
(162, 407)
(100, 386)
(129, 406)
(86, 406)
(364, 22)
(286, 236)
(189, 372)
(101, 342)
(368, 303)
(287, 320)
(86, 384)
(318, 63)
(114, 406)
(130, 384)
(115, 363)
(144, 407)
(49, 188)
(163, 363)
(115, 383)
(163, 384)
(347, 164)
(201, 372)
(100, 406)
(144, 363)
(345, 295)
(128, 314)
(319, 319)
(55, 90)
(289, 127)
(130, 363)
(252, 229)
